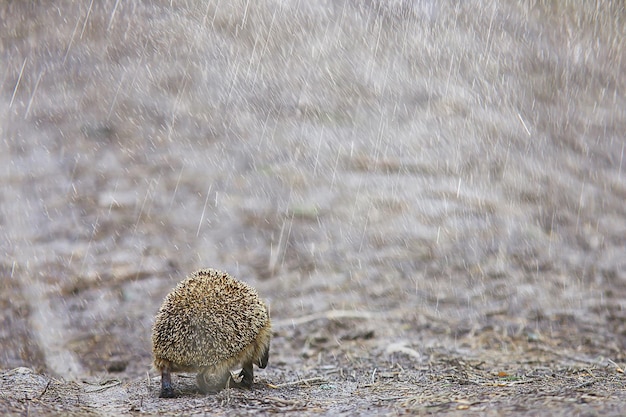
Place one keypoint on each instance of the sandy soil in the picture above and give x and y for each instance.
(428, 194)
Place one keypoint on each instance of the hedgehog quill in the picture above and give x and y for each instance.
(211, 323)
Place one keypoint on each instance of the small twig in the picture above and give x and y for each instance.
(400, 397)
(617, 367)
(585, 384)
(111, 384)
(280, 401)
(45, 389)
(230, 379)
(505, 383)
(298, 382)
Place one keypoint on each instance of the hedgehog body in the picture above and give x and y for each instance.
(210, 323)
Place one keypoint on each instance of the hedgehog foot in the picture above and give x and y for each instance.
(167, 391)
(246, 375)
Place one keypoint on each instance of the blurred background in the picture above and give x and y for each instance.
(452, 168)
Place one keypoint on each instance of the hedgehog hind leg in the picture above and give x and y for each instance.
(167, 391)
(211, 383)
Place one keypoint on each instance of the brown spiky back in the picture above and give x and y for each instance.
(207, 320)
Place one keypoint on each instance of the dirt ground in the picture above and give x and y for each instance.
(428, 194)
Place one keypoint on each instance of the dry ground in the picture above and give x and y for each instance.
(429, 195)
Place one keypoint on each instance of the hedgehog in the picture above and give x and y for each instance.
(211, 323)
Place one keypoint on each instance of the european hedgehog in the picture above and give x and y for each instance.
(210, 323)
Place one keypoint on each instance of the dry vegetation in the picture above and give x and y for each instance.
(429, 195)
